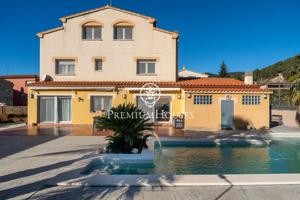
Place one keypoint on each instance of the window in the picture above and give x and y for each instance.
(251, 100)
(123, 32)
(98, 65)
(146, 67)
(92, 33)
(203, 99)
(65, 67)
(100, 103)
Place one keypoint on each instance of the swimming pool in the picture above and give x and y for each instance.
(182, 158)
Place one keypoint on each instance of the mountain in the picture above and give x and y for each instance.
(290, 69)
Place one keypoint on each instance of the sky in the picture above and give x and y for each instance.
(246, 34)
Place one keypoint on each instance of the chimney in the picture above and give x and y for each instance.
(248, 80)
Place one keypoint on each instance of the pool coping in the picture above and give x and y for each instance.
(72, 176)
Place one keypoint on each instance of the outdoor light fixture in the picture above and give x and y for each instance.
(179, 96)
(228, 97)
(265, 96)
(124, 96)
(32, 95)
(117, 91)
(189, 95)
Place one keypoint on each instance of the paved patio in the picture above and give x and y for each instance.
(27, 162)
(160, 130)
(30, 156)
(278, 192)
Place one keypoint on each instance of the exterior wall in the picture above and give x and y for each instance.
(289, 117)
(81, 109)
(6, 92)
(209, 116)
(20, 90)
(119, 56)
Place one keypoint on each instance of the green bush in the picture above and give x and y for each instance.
(128, 124)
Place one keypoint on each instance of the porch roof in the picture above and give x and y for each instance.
(200, 85)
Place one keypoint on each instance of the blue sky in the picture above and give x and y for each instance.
(246, 34)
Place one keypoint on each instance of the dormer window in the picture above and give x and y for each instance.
(92, 31)
(123, 31)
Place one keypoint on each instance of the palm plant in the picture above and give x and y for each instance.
(128, 124)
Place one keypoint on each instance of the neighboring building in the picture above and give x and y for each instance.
(6, 92)
(102, 57)
(19, 87)
(185, 74)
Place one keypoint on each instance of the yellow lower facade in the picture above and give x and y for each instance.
(206, 117)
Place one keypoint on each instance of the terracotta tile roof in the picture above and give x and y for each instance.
(228, 89)
(19, 76)
(200, 85)
(63, 19)
(211, 82)
(100, 83)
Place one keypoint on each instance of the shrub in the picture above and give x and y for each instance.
(128, 124)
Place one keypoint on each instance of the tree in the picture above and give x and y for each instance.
(128, 124)
(295, 93)
(223, 70)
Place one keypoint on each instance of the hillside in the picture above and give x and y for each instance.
(290, 68)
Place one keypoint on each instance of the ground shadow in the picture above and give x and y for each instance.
(13, 144)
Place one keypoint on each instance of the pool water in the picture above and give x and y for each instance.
(281, 156)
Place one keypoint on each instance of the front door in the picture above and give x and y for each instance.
(160, 112)
(226, 114)
(163, 109)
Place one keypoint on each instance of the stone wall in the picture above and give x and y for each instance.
(16, 110)
(6, 92)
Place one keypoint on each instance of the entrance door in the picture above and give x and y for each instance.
(161, 112)
(141, 105)
(163, 109)
(53, 109)
(226, 114)
(64, 109)
(47, 109)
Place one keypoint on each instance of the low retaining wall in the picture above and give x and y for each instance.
(16, 110)
(289, 117)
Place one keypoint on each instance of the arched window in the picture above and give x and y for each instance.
(92, 31)
(123, 30)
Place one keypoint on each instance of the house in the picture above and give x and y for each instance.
(104, 57)
(185, 74)
(6, 92)
(19, 87)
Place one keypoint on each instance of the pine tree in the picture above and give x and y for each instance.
(223, 70)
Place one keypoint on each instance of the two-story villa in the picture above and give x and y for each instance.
(102, 57)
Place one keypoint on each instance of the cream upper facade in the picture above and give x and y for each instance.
(137, 51)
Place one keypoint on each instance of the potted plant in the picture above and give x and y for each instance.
(128, 124)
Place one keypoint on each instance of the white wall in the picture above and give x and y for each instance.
(119, 56)
(288, 117)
